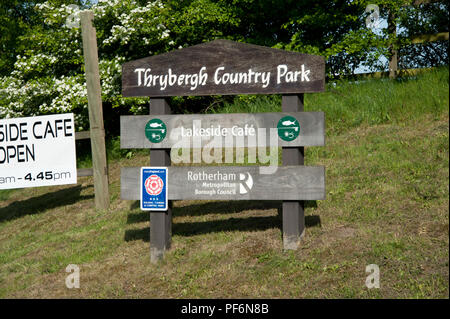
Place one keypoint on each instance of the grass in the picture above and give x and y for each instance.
(387, 171)
(351, 104)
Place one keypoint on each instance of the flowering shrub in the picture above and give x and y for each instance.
(49, 76)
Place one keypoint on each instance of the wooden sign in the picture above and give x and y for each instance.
(234, 183)
(223, 67)
(165, 131)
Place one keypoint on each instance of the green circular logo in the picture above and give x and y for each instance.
(288, 128)
(155, 130)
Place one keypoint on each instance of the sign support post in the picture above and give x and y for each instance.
(293, 211)
(97, 131)
(160, 222)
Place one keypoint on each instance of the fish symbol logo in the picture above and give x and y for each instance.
(286, 123)
(155, 130)
(288, 128)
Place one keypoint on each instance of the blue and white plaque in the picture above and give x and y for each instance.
(154, 189)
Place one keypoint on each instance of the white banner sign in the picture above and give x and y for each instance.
(37, 151)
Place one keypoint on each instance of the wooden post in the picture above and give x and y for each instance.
(97, 130)
(160, 222)
(393, 59)
(293, 211)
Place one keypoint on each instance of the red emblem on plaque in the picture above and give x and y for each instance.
(154, 185)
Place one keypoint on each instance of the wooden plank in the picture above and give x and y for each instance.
(82, 135)
(419, 2)
(442, 36)
(223, 67)
(234, 183)
(85, 172)
(293, 212)
(379, 75)
(160, 222)
(97, 130)
(132, 128)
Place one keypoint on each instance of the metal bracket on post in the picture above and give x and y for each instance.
(160, 222)
(293, 211)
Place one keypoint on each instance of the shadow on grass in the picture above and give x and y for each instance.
(42, 203)
(253, 223)
(213, 207)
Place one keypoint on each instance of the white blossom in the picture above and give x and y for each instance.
(34, 87)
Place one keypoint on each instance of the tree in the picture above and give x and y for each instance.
(41, 62)
(45, 63)
(337, 30)
(48, 73)
(15, 18)
(426, 18)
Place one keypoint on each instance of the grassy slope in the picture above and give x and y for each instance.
(387, 168)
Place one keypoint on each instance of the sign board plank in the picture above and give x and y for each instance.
(37, 151)
(82, 135)
(135, 130)
(223, 67)
(234, 183)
